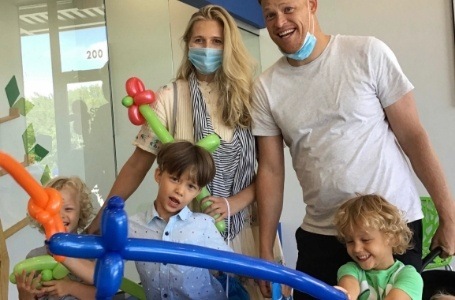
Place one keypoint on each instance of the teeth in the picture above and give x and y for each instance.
(286, 32)
(175, 200)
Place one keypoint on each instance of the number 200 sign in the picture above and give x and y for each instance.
(94, 54)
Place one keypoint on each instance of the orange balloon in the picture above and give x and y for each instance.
(53, 208)
(44, 204)
(23, 178)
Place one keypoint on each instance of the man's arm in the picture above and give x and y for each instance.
(413, 139)
(128, 180)
(269, 194)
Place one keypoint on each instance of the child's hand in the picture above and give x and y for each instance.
(343, 290)
(28, 286)
(58, 288)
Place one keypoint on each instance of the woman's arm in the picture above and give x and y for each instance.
(128, 180)
(237, 202)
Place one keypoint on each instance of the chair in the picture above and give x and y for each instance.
(430, 223)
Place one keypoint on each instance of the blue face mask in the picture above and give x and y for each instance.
(306, 49)
(308, 44)
(206, 60)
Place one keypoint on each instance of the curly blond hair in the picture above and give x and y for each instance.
(373, 212)
(442, 296)
(83, 193)
(235, 77)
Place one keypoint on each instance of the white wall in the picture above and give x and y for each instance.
(154, 58)
(138, 47)
(420, 32)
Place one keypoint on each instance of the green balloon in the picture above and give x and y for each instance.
(210, 142)
(204, 193)
(46, 275)
(60, 271)
(127, 101)
(220, 225)
(158, 128)
(50, 269)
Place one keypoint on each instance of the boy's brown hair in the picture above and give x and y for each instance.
(373, 212)
(177, 157)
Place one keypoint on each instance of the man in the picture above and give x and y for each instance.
(346, 111)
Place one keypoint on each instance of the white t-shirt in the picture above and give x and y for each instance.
(330, 113)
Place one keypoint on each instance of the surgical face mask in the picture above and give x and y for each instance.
(306, 49)
(206, 60)
(308, 44)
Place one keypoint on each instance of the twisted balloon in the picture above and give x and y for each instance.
(138, 102)
(44, 204)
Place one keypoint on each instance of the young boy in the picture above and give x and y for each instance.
(183, 169)
(373, 231)
(76, 212)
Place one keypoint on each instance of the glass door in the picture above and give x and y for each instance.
(55, 107)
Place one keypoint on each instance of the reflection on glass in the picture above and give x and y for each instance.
(65, 77)
(45, 73)
(83, 49)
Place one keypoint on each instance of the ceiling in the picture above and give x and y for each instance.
(34, 15)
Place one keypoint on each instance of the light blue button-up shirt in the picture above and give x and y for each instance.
(169, 281)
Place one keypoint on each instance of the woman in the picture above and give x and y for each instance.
(211, 94)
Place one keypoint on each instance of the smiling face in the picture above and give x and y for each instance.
(174, 192)
(371, 249)
(288, 22)
(71, 208)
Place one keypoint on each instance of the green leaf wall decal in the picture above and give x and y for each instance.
(12, 91)
(28, 138)
(46, 175)
(24, 106)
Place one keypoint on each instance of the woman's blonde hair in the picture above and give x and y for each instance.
(83, 194)
(235, 76)
(373, 212)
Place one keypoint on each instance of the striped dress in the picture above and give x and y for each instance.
(234, 160)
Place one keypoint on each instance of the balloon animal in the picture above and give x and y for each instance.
(44, 204)
(49, 268)
(138, 103)
(113, 247)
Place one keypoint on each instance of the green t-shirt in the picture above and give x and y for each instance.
(376, 284)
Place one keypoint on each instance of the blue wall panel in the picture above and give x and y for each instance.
(247, 11)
